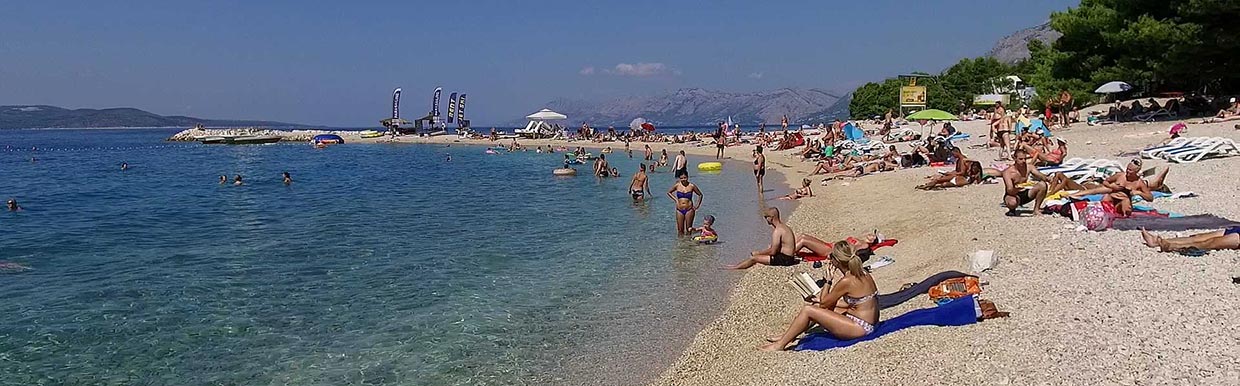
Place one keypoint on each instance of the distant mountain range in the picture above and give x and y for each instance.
(42, 116)
(699, 107)
(1015, 47)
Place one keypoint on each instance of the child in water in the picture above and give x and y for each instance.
(708, 231)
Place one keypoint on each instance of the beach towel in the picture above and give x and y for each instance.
(1200, 221)
(899, 297)
(959, 312)
(810, 257)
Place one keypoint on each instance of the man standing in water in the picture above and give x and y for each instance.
(681, 167)
(640, 184)
(649, 153)
(759, 167)
(782, 252)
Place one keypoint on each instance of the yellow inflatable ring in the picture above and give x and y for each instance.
(710, 166)
(705, 239)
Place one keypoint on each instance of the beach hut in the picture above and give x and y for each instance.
(538, 126)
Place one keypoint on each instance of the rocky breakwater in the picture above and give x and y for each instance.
(198, 133)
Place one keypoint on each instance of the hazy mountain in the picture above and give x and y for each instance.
(694, 106)
(1015, 47)
(41, 116)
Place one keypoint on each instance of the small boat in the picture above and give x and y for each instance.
(371, 134)
(330, 139)
(239, 140)
(255, 139)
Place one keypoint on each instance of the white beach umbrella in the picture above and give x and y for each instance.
(636, 124)
(1113, 87)
(546, 115)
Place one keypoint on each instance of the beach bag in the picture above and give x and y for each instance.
(955, 288)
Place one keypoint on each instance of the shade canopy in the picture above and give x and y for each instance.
(546, 115)
(1113, 87)
(931, 115)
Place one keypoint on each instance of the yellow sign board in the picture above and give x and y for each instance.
(913, 96)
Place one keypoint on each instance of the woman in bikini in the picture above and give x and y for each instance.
(759, 167)
(682, 192)
(848, 310)
(804, 191)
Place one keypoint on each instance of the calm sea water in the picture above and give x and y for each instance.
(381, 264)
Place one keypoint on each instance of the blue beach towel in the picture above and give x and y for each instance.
(957, 313)
(852, 132)
(958, 137)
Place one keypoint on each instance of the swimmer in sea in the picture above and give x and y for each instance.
(662, 159)
(707, 229)
(12, 205)
(223, 179)
(124, 166)
(237, 180)
(682, 192)
(288, 179)
(600, 166)
(640, 185)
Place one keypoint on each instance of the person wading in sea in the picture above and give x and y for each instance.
(640, 185)
(759, 168)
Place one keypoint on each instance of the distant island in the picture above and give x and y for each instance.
(43, 116)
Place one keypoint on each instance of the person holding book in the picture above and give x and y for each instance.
(781, 252)
(848, 310)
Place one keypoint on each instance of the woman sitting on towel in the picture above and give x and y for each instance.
(848, 310)
(972, 175)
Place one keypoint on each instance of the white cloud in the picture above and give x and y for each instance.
(755, 75)
(641, 70)
(587, 71)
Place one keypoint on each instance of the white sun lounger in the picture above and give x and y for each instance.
(1214, 147)
(1178, 144)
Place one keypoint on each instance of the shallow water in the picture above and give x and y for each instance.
(380, 264)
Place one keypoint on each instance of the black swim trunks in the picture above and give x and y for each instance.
(782, 260)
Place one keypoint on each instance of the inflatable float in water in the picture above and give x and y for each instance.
(710, 166)
(706, 239)
(564, 172)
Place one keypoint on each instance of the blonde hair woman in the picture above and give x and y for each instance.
(848, 310)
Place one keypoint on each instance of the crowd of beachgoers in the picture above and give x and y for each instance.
(1024, 154)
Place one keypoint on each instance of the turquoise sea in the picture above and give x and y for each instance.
(380, 264)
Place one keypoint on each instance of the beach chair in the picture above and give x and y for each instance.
(1069, 164)
(1214, 147)
(1176, 143)
(1150, 116)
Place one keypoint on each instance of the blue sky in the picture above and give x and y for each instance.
(335, 63)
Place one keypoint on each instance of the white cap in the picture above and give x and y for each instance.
(1233, 100)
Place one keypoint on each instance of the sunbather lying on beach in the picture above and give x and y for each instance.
(1228, 114)
(1130, 180)
(863, 245)
(972, 175)
(1014, 176)
(804, 191)
(1228, 238)
(848, 310)
(781, 252)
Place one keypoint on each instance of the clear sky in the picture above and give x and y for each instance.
(336, 62)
